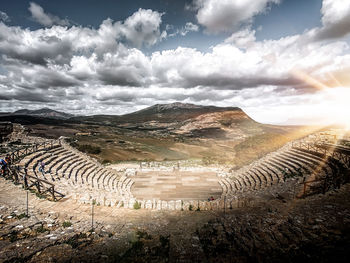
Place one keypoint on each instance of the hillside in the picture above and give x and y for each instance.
(44, 112)
(162, 113)
(173, 112)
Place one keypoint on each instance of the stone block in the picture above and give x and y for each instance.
(164, 205)
(171, 205)
(142, 204)
(186, 205)
(148, 204)
(178, 205)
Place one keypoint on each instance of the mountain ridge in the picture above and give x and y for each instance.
(44, 112)
(162, 113)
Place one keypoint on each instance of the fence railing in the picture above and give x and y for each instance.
(19, 175)
(42, 186)
(338, 152)
(335, 151)
(20, 153)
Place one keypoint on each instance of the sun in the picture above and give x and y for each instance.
(335, 105)
(338, 99)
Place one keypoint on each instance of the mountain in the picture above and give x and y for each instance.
(44, 112)
(164, 113)
(173, 112)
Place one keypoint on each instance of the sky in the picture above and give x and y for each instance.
(281, 61)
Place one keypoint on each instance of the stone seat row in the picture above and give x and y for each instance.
(275, 169)
(79, 177)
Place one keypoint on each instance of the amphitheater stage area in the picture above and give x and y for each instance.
(175, 185)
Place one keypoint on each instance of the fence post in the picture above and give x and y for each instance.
(38, 186)
(53, 193)
(92, 215)
(325, 185)
(225, 204)
(15, 175)
(27, 204)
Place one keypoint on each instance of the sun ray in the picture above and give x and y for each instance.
(338, 84)
(308, 79)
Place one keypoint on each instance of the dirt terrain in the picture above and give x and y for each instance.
(315, 229)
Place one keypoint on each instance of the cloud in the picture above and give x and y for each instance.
(190, 27)
(335, 20)
(143, 28)
(183, 31)
(228, 15)
(243, 38)
(4, 17)
(45, 19)
(101, 70)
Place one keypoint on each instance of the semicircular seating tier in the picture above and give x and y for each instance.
(82, 178)
(277, 167)
(78, 176)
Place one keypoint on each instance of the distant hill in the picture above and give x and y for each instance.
(179, 117)
(165, 113)
(173, 112)
(44, 113)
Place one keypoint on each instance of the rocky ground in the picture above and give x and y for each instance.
(316, 229)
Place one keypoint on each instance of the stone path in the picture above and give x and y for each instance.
(177, 185)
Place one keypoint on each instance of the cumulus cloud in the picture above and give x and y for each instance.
(228, 15)
(335, 20)
(143, 27)
(4, 17)
(243, 38)
(45, 19)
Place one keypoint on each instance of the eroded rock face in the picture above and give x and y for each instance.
(61, 253)
(6, 128)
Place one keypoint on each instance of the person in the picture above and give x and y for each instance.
(3, 165)
(8, 160)
(42, 168)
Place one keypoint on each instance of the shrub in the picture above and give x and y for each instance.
(66, 224)
(20, 216)
(87, 148)
(106, 161)
(190, 207)
(74, 144)
(137, 205)
(41, 229)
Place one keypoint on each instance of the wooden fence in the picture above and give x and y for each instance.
(42, 186)
(335, 151)
(20, 175)
(20, 153)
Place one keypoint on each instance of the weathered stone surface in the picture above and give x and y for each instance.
(159, 205)
(186, 205)
(178, 204)
(148, 204)
(171, 205)
(164, 205)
